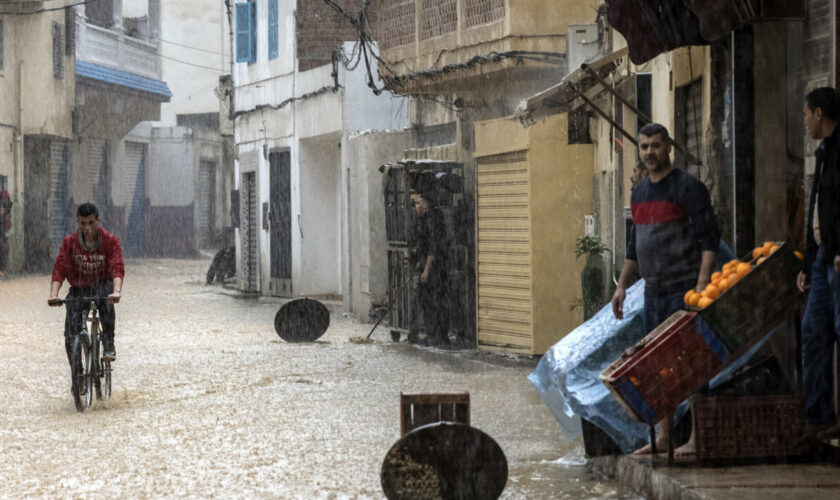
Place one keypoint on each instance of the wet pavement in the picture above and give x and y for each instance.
(209, 402)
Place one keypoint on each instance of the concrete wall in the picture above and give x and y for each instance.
(32, 102)
(46, 101)
(366, 282)
(319, 271)
(770, 135)
(193, 59)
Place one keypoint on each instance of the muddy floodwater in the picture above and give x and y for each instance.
(209, 402)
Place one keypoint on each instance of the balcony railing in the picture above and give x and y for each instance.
(112, 48)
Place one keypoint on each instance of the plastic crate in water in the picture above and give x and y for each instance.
(747, 426)
(677, 359)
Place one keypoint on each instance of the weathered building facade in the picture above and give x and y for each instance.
(37, 88)
(470, 63)
(297, 110)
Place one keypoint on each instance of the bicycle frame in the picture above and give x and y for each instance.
(91, 337)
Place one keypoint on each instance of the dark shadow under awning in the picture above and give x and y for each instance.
(652, 27)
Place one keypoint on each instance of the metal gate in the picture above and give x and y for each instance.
(248, 232)
(206, 198)
(134, 197)
(57, 201)
(280, 219)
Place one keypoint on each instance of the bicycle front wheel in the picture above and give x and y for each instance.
(82, 368)
(106, 378)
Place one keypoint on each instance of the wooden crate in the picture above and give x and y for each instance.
(747, 427)
(418, 409)
(675, 360)
(756, 304)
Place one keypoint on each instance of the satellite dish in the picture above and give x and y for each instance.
(302, 320)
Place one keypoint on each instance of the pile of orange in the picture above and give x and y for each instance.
(721, 281)
(764, 251)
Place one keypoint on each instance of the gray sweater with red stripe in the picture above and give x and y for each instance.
(673, 223)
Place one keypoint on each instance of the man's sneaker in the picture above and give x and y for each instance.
(108, 351)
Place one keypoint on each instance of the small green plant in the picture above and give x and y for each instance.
(590, 245)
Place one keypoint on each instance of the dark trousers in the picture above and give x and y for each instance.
(4, 251)
(433, 303)
(659, 305)
(73, 319)
(820, 330)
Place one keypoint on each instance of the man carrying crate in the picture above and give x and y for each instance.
(821, 272)
(673, 242)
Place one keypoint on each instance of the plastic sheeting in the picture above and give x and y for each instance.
(567, 375)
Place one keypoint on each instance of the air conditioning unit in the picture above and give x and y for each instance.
(582, 44)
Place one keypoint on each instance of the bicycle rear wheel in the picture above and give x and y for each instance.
(82, 367)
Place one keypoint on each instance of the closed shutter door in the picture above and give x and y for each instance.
(57, 202)
(131, 167)
(97, 155)
(205, 202)
(504, 252)
(694, 123)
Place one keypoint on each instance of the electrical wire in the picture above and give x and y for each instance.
(191, 64)
(194, 48)
(29, 13)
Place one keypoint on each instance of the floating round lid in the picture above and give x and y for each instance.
(302, 320)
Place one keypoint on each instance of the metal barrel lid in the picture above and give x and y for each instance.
(444, 460)
(302, 320)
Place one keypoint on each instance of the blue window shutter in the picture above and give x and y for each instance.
(243, 32)
(273, 29)
(253, 4)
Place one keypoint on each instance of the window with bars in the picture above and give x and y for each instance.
(478, 12)
(58, 50)
(396, 26)
(437, 18)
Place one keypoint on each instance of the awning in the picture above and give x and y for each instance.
(154, 89)
(581, 88)
(565, 96)
(652, 27)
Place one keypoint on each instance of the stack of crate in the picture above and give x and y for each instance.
(445, 179)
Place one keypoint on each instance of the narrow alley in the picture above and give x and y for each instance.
(209, 402)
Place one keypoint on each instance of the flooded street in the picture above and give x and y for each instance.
(209, 402)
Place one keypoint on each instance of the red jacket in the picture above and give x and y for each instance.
(82, 268)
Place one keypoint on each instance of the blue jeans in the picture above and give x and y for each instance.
(660, 305)
(820, 329)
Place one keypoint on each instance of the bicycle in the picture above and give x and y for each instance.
(89, 371)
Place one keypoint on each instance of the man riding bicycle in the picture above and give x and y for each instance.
(91, 261)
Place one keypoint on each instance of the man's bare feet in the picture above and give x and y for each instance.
(661, 447)
(688, 450)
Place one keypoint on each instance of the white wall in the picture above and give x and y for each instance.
(171, 166)
(195, 51)
(366, 279)
(320, 216)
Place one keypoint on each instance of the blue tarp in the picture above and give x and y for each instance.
(567, 375)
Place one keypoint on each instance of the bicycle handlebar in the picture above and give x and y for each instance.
(76, 300)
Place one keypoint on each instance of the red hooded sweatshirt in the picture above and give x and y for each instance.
(83, 268)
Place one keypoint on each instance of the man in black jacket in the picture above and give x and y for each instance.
(821, 272)
(431, 254)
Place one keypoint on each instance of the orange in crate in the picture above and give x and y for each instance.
(676, 359)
